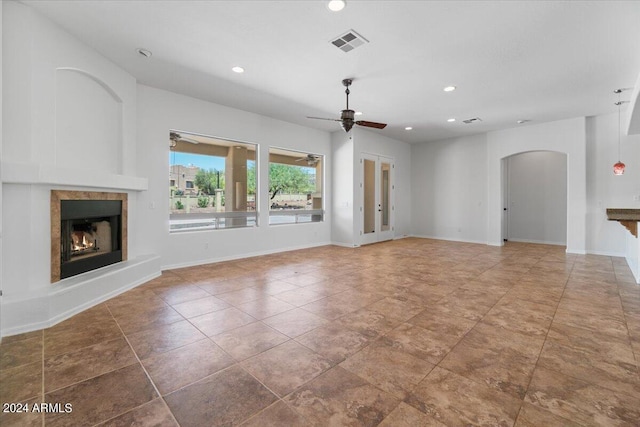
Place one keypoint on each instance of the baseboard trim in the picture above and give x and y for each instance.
(345, 245)
(448, 239)
(605, 253)
(537, 242)
(242, 256)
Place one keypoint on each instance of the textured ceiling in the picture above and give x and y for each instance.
(539, 61)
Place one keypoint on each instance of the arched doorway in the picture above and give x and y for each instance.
(564, 136)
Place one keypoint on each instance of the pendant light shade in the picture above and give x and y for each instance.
(618, 168)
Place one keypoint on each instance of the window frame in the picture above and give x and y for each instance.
(297, 213)
(185, 222)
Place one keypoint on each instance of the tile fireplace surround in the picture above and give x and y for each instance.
(56, 197)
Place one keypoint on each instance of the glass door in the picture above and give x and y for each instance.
(377, 199)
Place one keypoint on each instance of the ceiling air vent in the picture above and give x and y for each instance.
(474, 120)
(349, 41)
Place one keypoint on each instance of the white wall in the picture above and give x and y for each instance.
(632, 113)
(451, 178)
(46, 74)
(450, 189)
(40, 58)
(1, 140)
(343, 227)
(158, 112)
(537, 197)
(604, 189)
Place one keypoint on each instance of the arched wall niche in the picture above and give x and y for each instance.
(88, 123)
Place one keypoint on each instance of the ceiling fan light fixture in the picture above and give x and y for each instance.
(449, 88)
(408, 128)
(347, 121)
(451, 120)
(238, 69)
(347, 116)
(336, 5)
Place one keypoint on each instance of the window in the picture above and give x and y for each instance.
(211, 183)
(295, 187)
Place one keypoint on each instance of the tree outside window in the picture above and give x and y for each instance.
(295, 187)
(209, 182)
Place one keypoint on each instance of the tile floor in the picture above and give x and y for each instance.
(413, 332)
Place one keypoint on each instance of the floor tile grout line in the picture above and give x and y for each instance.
(544, 342)
(460, 340)
(182, 387)
(279, 398)
(145, 372)
(636, 355)
(580, 378)
(477, 322)
(253, 355)
(131, 410)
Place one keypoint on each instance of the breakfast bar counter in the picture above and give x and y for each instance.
(629, 218)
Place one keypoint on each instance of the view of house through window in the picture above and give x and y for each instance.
(295, 187)
(212, 182)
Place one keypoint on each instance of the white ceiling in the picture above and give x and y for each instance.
(511, 60)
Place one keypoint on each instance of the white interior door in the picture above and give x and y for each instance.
(505, 199)
(377, 198)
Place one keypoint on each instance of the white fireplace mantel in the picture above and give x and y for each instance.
(33, 173)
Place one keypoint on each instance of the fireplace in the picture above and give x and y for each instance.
(88, 231)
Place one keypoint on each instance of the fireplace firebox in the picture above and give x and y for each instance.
(90, 234)
(88, 231)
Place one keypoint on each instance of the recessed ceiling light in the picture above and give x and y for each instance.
(408, 128)
(451, 120)
(449, 88)
(237, 69)
(358, 113)
(336, 5)
(144, 52)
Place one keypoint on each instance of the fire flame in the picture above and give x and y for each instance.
(81, 245)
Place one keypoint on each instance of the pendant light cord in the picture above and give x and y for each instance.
(619, 102)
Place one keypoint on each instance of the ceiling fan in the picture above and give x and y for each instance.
(311, 159)
(347, 116)
(175, 137)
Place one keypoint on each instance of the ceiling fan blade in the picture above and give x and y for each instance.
(189, 140)
(176, 137)
(371, 124)
(322, 118)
